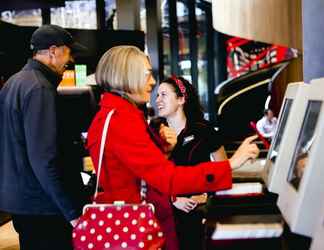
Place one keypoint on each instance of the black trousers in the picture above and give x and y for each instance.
(43, 232)
(190, 230)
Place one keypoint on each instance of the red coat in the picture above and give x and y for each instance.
(130, 155)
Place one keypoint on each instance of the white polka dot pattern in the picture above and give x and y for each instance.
(105, 226)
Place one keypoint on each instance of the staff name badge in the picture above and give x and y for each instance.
(188, 139)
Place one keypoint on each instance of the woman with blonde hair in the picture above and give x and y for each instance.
(130, 154)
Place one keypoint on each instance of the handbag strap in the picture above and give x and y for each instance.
(143, 188)
(101, 152)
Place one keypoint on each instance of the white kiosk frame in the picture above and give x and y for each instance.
(296, 92)
(300, 207)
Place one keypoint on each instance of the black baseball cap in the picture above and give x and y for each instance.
(50, 34)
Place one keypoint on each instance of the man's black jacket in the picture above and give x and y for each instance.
(30, 178)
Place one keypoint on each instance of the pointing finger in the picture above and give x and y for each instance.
(249, 139)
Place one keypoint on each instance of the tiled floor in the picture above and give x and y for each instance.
(8, 237)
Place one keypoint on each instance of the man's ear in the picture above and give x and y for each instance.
(52, 50)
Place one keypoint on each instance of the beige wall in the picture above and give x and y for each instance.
(271, 21)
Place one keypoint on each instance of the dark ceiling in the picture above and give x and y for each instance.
(29, 4)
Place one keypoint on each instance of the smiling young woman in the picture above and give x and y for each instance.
(177, 101)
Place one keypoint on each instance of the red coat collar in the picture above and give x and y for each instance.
(109, 100)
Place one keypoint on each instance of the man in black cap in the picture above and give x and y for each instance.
(31, 186)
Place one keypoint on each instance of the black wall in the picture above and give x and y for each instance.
(30, 4)
(14, 45)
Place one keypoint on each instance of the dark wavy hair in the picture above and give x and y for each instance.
(192, 106)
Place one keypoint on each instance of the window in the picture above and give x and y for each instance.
(76, 14)
(23, 17)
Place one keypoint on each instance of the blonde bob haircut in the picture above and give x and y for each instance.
(122, 68)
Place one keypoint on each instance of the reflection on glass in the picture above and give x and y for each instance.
(111, 14)
(166, 38)
(143, 17)
(272, 155)
(76, 14)
(304, 143)
(31, 17)
(183, 34)
(202, 58)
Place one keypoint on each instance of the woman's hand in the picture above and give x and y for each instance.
(219, 155)
(169, 135)
(246, 151)
(185, 204)
(200, 198)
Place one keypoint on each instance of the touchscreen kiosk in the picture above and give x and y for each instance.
(302, 189)
(294, 102)
(76, 106)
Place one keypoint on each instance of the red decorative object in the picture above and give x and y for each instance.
(125, 226)
(244, 55)
(265, 142)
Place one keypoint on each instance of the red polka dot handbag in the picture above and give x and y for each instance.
(119, 225)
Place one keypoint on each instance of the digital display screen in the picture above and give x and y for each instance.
(304, 144)
(272, 155)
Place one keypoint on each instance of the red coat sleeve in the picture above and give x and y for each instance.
(131, 144)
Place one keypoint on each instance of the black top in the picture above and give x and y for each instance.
(30, 178)
(195, 143)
